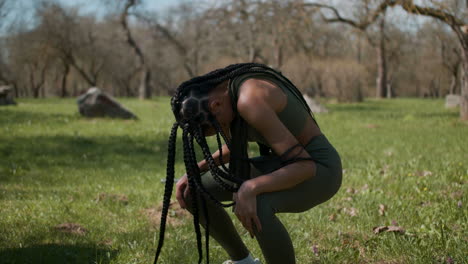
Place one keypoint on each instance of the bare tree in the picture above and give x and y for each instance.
(450, 56)
(367, 18)
(74, 40)
(189, 33)
(5, 8)
(440, 10)
(458, 23)
(144, 90)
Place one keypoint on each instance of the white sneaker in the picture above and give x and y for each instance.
(256, 261)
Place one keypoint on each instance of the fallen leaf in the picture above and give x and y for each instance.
(379, 229)
(71, 228)
(107, 242)
(391, 228)
(423, 173)
(382, 209)
(396, 229)
(351, 190)
(346, 239)
(332, 217)
(365, 187)
(425, 204)
(456, 195)
(459, 204)
(350, 211)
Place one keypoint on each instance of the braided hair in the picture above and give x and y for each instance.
(190, 107)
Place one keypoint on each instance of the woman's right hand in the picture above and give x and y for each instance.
(182, 190)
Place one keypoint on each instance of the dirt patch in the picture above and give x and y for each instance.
(175, 217)
(116, 198)
(106, 242)
(71, 228)
(372, 126)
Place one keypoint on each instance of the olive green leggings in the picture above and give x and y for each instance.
(274, 240)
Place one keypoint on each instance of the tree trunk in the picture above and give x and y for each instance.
(143, 89)
(389, 87)
(462, 34)
(34, 88)
(381, 63)
(464, 87)
(359, 49)
(15, 88)
(63, 88)
(453, 85)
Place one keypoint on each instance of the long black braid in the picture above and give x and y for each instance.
(192, 171)
(171, 150)
(190, 107)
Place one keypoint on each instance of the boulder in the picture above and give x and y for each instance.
(6, 97)
(314, 105)
(95, 103)
(452, 101)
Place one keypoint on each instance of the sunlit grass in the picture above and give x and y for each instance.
(56, 167)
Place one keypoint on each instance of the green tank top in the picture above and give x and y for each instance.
(294, 114)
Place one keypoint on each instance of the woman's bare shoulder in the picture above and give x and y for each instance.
(253, 92)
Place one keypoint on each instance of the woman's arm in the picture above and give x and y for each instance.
(203, 165)
(258, 103)
(182, 189)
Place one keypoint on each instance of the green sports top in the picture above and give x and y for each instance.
(294, 114)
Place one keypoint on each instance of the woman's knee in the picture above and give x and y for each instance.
(188, 198)
(265, 211)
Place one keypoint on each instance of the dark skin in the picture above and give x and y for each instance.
(259, 102)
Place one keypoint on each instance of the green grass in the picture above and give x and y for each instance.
(410, 155)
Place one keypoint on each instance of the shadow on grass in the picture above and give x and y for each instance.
(55, 253)
(67, 152)
(14, 117)
(363, 107)
(439, 114)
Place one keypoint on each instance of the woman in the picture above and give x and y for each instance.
(297, 170)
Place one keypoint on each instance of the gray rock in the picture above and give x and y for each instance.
(95, 103)
(314, 105)
(452, 100)
(6, 97)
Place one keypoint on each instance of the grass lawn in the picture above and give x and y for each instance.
(405, 164)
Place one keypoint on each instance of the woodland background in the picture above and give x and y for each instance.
(89, 190)
(363, 48)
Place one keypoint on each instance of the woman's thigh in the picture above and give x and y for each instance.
(302, 197)
(305, 195)
(214, 188)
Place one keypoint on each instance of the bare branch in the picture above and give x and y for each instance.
(410, 7)
(362, 25)
(179, 46)
(130, 40)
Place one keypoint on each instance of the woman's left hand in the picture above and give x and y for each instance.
(246, 208)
